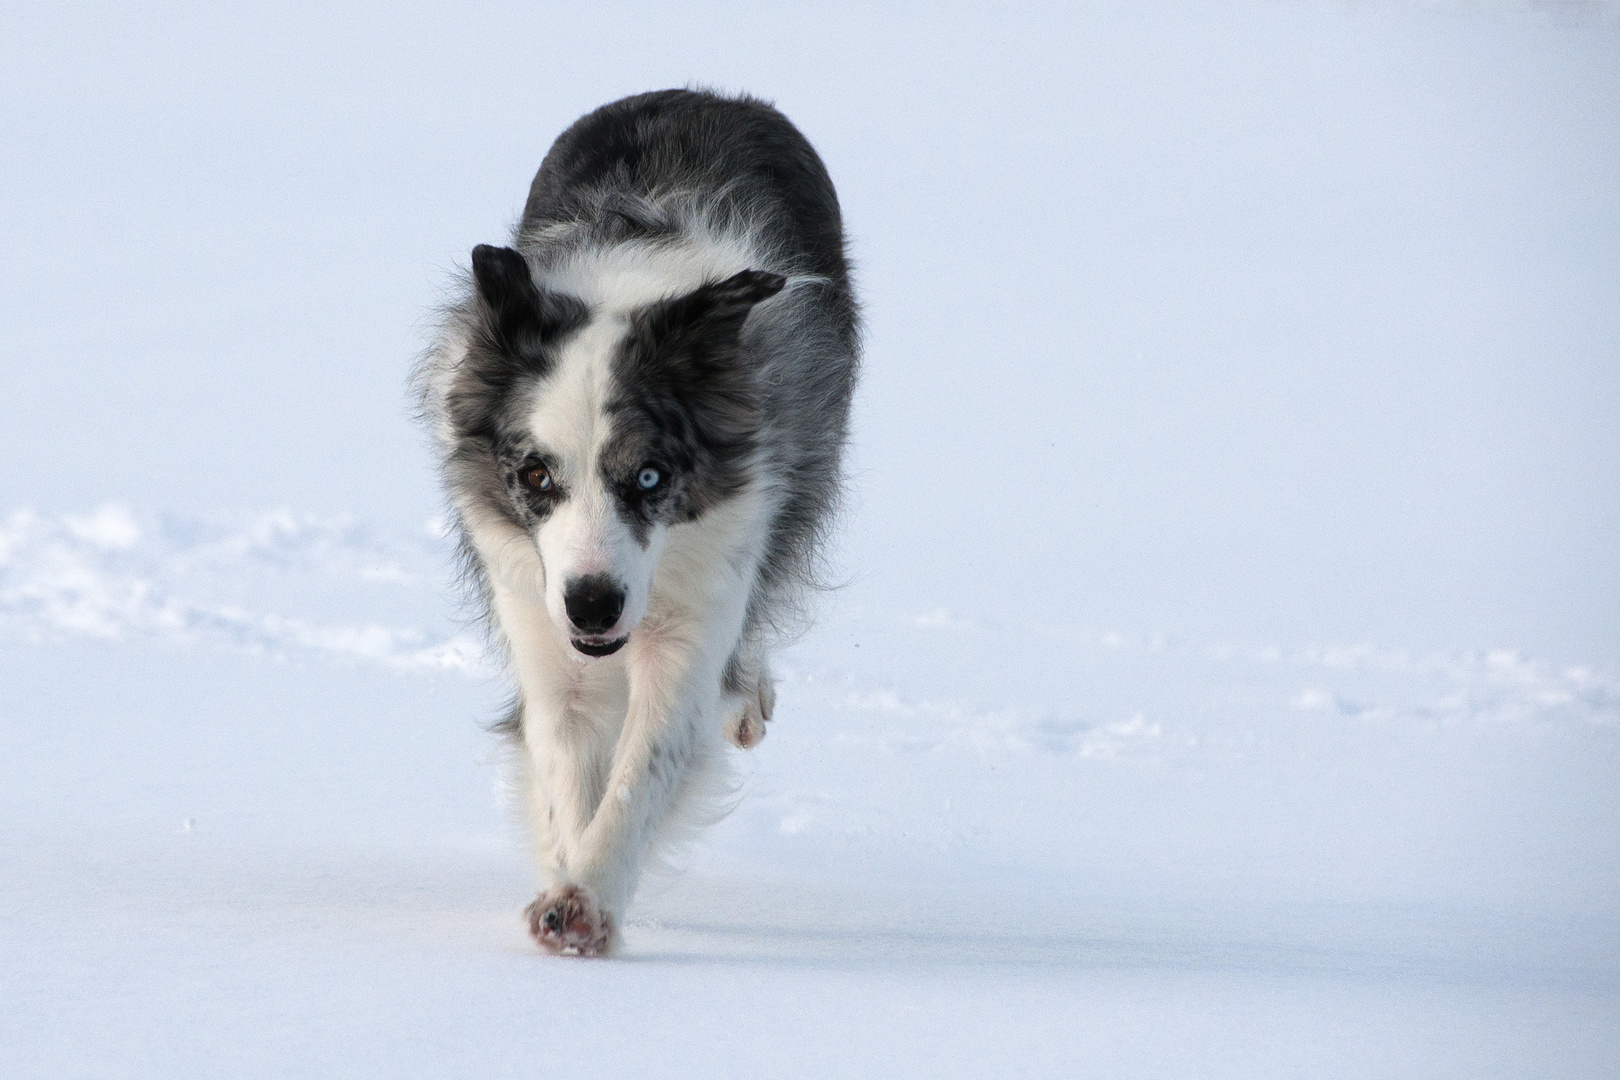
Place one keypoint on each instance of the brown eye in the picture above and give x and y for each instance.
(537, 478)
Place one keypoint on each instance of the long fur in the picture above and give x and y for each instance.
(640, 408)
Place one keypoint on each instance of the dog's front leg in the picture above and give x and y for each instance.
(564, 710)
(670, 737)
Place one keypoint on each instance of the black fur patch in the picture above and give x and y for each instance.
(515, 329)
(686, 401)
(515, 333)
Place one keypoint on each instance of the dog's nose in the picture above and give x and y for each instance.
(593, 602)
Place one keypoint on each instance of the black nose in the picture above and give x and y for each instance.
(593, 602)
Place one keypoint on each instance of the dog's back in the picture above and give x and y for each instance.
(736, 150)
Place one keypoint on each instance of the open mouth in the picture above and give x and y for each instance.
(599, 648)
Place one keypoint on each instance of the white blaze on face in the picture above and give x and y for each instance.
(585, 534)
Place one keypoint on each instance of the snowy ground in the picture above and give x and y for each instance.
(1228, 678)
(274, 840)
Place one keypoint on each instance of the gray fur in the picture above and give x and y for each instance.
(649, 170)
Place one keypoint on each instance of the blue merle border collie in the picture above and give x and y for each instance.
(640, 408)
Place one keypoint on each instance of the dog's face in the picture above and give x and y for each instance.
(596, 432)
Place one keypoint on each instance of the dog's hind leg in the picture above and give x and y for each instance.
(748, 699)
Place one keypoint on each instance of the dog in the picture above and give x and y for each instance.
(640, 408)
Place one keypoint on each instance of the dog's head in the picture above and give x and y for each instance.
(594, 432)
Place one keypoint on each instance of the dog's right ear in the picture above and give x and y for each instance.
(521, 316)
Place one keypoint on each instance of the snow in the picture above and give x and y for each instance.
(1225, 682)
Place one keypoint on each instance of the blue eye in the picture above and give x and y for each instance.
(648, 478)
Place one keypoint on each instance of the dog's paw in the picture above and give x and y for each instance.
(566, 920)
(745, 727)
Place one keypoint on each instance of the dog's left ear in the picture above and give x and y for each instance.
(707, 322)
(736, 296)
(685, 354)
